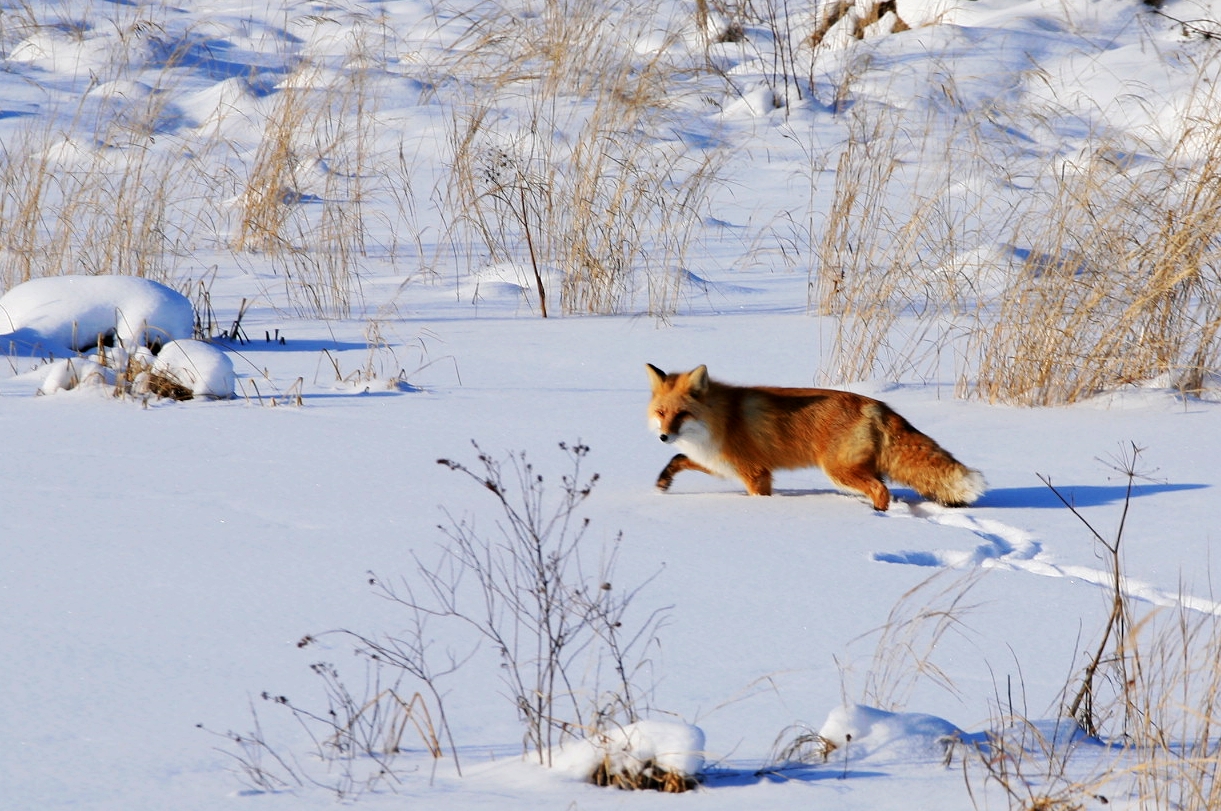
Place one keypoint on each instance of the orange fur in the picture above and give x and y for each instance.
(748, 432)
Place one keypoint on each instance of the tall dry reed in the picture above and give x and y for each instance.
(562, 164)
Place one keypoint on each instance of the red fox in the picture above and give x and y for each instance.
(747, 432)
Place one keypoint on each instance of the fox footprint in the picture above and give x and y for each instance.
(1010, 548)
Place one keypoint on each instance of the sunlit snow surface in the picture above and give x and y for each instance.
(161, 561)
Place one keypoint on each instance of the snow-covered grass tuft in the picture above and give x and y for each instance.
(861, 732)
(665, 756)
(194, 369)
(66, 374)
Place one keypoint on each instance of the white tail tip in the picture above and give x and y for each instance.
(972, 486)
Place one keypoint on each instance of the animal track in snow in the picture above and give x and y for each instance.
(1014, 549)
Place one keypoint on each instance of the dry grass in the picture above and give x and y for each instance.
(1162, 748)
(1122, 283)
(1142, 723)
(130, 192)
(357, 736)
(800, 743)
(891, 255)
(648, 777)
(306, 195)
(792, 38)
(67, 206)
(1113, 279)
(88, 187)
(168, 387)
(1033, 769)
(1178, 701)
(1162, 673)
(563, 168)
(603, 221)
(602, 217)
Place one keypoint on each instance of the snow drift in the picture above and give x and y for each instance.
(76, 313)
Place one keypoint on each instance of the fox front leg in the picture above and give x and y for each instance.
(758, 482)
(680, 462)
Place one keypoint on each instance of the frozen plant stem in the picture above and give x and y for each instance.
(538, 277)
(1081, 708)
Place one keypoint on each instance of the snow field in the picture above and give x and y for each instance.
(161, 564)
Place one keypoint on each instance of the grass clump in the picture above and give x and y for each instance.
(1105, 274)
(1121, 285)
(603, 218)
(648, 777)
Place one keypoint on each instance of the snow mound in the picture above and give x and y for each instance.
(61, 52)
(665, 755)
(200, 368)
(71, 373)
(227, 106)
(77, 312)
(867, 732)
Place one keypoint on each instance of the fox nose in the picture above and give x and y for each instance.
(665, 437)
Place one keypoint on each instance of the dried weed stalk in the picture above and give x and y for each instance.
(534, 598)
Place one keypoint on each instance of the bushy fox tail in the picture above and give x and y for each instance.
(916, 460)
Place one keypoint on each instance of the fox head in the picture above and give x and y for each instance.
(676, 400)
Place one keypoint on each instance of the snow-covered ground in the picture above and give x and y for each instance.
(160, 561)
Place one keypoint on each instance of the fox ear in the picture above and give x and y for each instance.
(697, 379)
(656, 376)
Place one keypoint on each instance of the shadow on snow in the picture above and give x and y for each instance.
(1041, 496)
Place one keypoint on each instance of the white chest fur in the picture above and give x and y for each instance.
(698, 443)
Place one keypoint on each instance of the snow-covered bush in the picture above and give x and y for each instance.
(137, 334)
(551, 614)
(858, 732)
(74, 313)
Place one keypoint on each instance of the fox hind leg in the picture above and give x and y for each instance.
(679, 463)
(863, 479)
